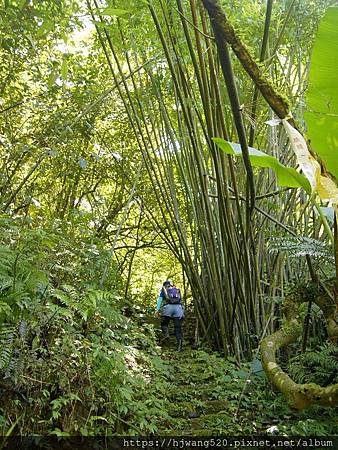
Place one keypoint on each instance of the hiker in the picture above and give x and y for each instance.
(170, 297)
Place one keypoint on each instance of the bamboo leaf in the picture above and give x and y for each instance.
(53, 76)
(112, 12)
(64, 68)
(46, 27)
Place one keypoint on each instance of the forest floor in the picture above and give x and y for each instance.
(204, 396)
(208, 395)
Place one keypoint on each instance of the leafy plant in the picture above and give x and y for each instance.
(299, 246)
(6, 345)
(286, 176)
(74, 336)
(322, 93)
(320, 366)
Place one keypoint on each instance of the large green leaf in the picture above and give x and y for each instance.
(286, 176)
(322, 94)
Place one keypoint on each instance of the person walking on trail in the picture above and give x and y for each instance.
(170, 302)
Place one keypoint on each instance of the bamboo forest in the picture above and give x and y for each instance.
(168, 224)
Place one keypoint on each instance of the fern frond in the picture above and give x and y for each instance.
(301, 246)
(7, 333)
(316, 366)
(6, 329)
(5, 309)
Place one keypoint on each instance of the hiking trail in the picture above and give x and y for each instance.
(206, 394)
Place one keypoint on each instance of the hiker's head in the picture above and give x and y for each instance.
(167, 284)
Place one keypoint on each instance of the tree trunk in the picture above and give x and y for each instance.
(300, 396)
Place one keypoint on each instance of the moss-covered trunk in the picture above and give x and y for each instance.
(300, 396)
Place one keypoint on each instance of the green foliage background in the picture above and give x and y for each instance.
(82, 260)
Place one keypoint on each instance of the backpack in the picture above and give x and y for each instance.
(172, 295)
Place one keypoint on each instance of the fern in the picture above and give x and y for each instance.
(5, 310)
(7, 333)
(320, 367)
(6, 260)
(296, 247)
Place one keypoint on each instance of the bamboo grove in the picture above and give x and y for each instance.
(216, 224)
(112, 158)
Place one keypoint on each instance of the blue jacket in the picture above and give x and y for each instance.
(160, 299)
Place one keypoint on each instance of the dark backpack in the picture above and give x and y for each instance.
(172, 295)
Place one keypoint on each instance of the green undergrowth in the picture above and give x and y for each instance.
(319, 366)
(75, 359)
(210, 395)
(71, 362)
